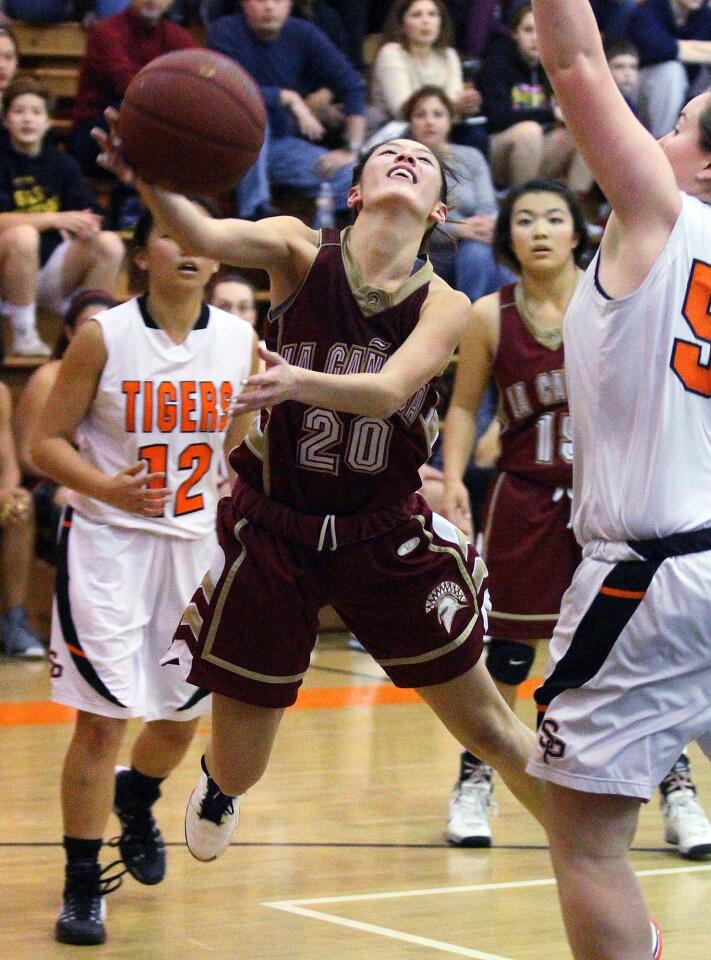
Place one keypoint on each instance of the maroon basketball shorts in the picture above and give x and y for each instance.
(415, 596)
(531, 555)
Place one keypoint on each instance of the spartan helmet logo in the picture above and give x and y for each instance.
(446, 599)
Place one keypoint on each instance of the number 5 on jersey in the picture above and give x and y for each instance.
(686, 357)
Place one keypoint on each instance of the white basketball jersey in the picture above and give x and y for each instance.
(639, 383)
(167, 404)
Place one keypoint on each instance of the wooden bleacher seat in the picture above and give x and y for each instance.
(44, 44)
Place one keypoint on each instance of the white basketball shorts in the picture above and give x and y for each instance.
(628, 681)
(118, 599)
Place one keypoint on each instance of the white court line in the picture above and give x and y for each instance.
(299, 908)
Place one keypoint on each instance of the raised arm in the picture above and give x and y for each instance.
(628, 164)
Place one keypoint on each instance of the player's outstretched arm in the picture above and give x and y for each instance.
(628, 164)
(421, 357)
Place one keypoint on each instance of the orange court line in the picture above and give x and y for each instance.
(314, 698)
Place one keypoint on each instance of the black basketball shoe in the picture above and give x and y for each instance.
(141, 843)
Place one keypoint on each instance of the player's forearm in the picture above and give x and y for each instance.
(58, 459)
(180, 217)
(367, 394)
(459, 434)
(567, 31)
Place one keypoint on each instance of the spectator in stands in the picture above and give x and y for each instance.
(291, 59)
(461, 251)
(674, 42)
(16, 545)
(232, 292)
(116, 50)
(527, 135)
(8, 57)
(51, 240)
(623, 61)
(417, 51)
(613, 16)
(48, 497)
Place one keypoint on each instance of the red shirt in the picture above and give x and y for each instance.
(116, 50)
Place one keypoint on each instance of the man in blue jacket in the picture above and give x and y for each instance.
(674, 42)
(294, 64)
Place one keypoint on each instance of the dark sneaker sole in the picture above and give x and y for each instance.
(472, 843)
(78, 939)
(701, 852)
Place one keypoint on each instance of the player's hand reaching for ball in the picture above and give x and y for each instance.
(278, 382)
(134, 490)
(110, 156)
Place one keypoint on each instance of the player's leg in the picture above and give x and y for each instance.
(19, 266)
(236, 756)
(509, 664)
(603, 908)
(476, 714)
(87, 791)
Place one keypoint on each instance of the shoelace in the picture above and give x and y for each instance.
(692, 810)
(139, 829)
(215, 804)
(87, 886)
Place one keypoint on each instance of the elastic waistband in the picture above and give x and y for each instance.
(654, 550)
(326, 532)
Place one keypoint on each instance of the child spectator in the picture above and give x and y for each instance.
(623, 61)
(51, 241)
(8, 57)
(16, 545)
(116, 49)
(527, 136)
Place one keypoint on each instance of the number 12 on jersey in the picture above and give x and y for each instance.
(196, 457)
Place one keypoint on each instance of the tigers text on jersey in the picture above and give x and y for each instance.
(530, 377)
(639, 381)
(320, 461)
(167, 404)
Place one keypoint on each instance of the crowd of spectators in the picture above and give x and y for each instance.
(462, 76)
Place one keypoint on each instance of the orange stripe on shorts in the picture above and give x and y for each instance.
(623, 594)
(75, 650)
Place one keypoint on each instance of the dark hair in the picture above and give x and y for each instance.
(620, 47)
(501, 243)
(517, 12)
(393, 31)
(705, 128)
(141, 233)
(429, 90)
(19, 86)
(80, 300)
(444, 170)
(226, 275)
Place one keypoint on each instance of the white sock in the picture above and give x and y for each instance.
(23, 318)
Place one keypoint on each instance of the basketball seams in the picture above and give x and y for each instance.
(171, 124)
(242, 100)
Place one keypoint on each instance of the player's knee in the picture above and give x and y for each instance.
(509, 662)
(100, 736)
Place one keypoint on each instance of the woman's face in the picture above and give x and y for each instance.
(422, 23)
(431, 122)
(8, 61)
(170, 267)
(543, 234)
(236, 298)
(525, 38)
(401, 173)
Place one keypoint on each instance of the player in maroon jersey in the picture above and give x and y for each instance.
(325, 509)
(528, 545)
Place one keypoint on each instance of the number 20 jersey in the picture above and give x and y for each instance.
(319, 461)
(167, 404)
(639, 379)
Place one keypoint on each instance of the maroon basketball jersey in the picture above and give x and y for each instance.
(320, 461)
(536, 438)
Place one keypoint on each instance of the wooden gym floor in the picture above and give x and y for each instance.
(340, 854)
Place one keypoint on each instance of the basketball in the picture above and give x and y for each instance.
(191, 121)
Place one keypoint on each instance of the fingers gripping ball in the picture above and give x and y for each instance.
(192, 121)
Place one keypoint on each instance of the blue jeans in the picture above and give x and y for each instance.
(288, 162)
(107, 8)
(471, 268)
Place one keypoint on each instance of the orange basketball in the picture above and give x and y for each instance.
(192, 121)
